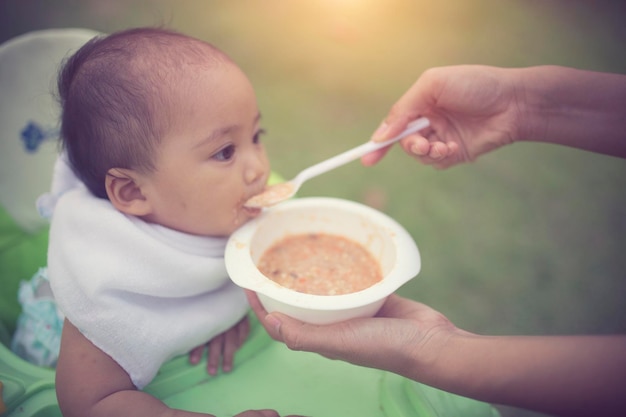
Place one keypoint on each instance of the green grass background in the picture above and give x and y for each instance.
(530, 239)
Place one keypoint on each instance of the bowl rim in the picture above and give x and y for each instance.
(244, 273)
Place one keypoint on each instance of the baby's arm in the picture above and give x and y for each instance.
(223, 346)
(91, 383)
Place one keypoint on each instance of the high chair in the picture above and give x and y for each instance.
(266, 373)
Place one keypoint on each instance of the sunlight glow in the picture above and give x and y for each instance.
(351, 8)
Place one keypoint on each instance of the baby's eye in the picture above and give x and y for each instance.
(225, 153)
(257, 136)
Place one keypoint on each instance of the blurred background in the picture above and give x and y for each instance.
(530, 239)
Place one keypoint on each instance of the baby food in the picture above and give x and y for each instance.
(272, 195)
(321, 264)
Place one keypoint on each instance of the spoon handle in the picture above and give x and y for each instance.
(355, 153)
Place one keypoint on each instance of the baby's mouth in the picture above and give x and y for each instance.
(252, 212)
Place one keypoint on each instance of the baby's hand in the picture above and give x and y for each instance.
(222, 346)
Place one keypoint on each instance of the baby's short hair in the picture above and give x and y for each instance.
(114, 97)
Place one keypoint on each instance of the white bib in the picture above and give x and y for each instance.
(140, 292)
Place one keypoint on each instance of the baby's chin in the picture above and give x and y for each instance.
(244, 216)
(241, 216)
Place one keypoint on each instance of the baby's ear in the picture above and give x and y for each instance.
(125, 193)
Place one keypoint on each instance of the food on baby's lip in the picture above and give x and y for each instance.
(271, 195)
(320, 264)
(252, 211)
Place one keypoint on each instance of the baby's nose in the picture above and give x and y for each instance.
(254, 172)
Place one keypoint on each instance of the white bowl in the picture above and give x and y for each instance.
(386, 240)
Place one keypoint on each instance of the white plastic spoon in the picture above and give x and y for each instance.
(279, 192)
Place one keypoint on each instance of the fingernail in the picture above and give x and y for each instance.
(380, 132)
(273, 321)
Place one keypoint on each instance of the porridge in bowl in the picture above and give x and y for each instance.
(320, 264)
(390, 245)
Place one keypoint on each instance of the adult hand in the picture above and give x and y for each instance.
(472, 109)
(400, 332)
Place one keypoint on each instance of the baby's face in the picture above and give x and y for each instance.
(211, 161)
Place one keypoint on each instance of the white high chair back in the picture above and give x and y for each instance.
(29, 117)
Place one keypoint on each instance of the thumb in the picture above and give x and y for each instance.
(392, 126)
(298, 335)
(286, 329)
(332, 341)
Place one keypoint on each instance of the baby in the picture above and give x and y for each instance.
(160, 136)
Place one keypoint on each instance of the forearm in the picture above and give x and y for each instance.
(565, 106)
(571, 375)
(138, 404)
(120, 403)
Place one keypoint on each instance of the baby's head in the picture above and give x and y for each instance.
(166, 127)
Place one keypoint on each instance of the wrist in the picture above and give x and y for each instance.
(434, 359)
(530, 105)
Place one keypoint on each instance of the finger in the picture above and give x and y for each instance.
(268, 413)
(296, 334)
(432, 151)
(300, 336)
(243, 331)
(196, 355)
(420, 148)
(215, 347)
(416, 145)
(230, 345)
(453, 151)
(276, 324)
(373, 157)
(270, 325)
(438, 151)
(259, 413)
(445, 156)
(392, 126)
